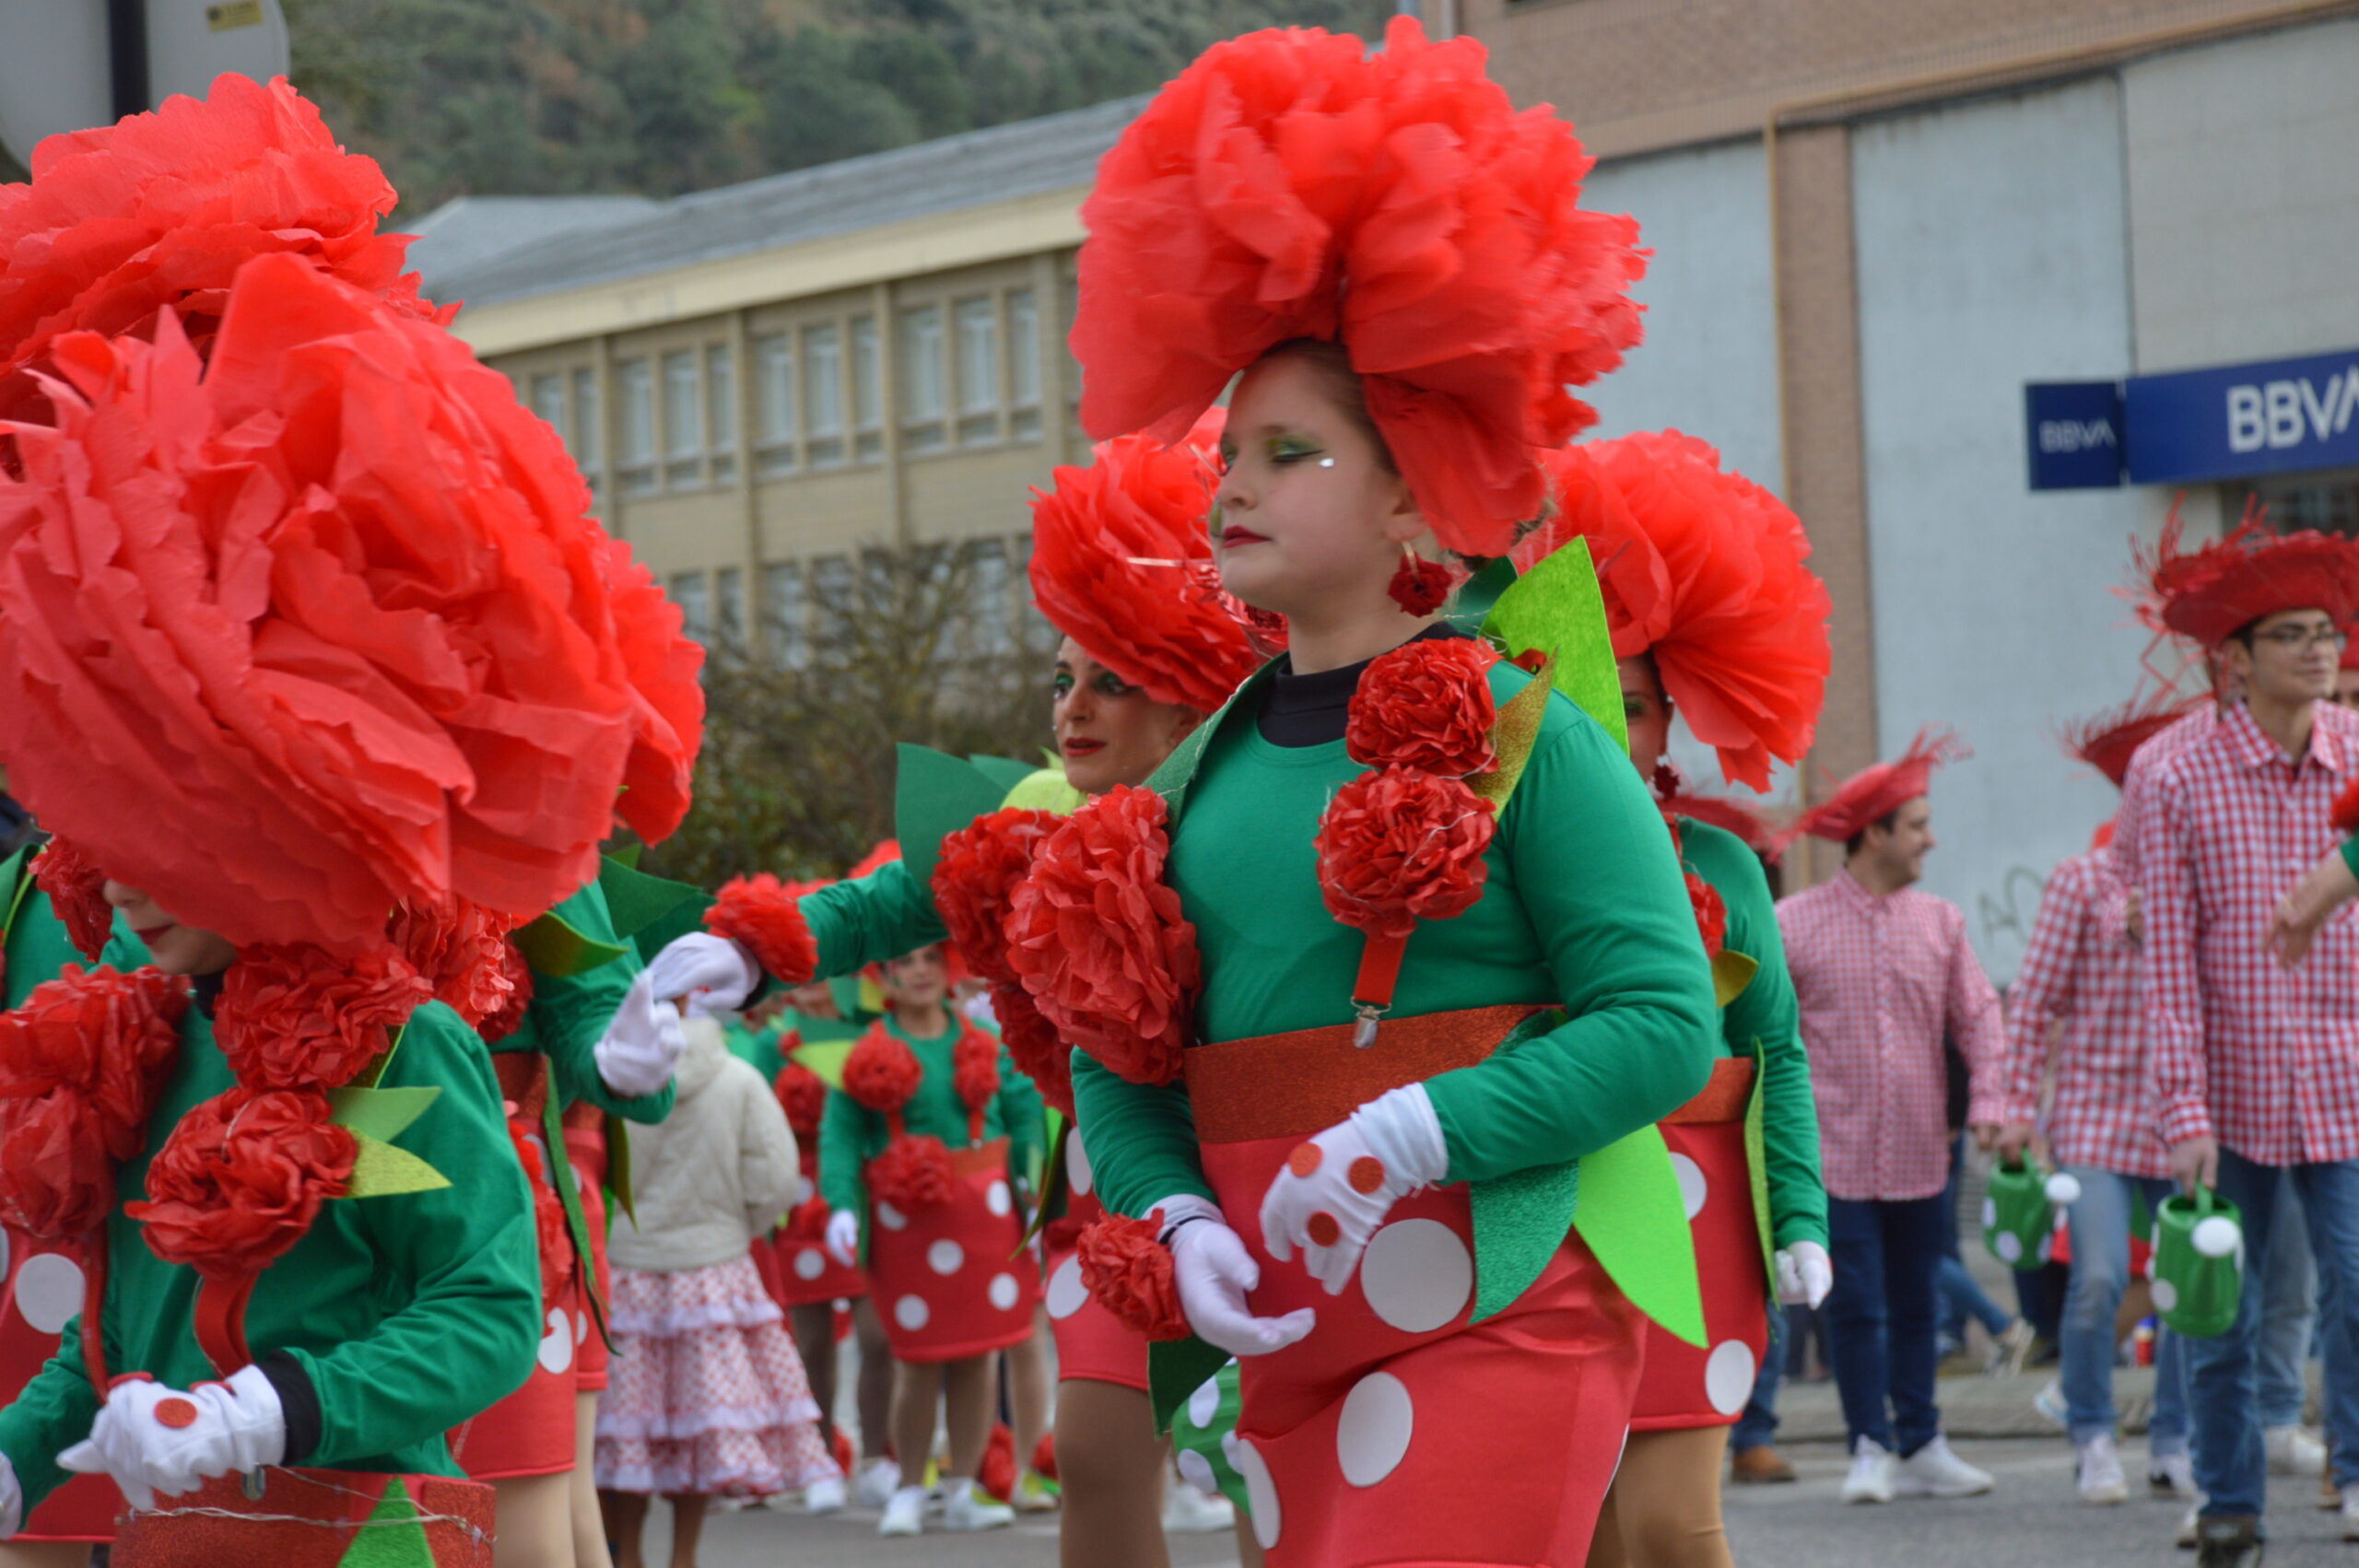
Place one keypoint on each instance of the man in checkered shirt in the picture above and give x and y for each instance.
(1883, 972)
(2254, 1066)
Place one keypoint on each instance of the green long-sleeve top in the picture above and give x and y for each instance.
(850, 1134)
(1583, 906)
(408, 1314)
(757, 1047)
(569, 1015)
(1764, 1023)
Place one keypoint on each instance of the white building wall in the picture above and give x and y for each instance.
(1992, 251)
(2244, 198)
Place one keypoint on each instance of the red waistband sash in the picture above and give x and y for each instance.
(1724, 1098)
(1306, 1081)
(311, 1518)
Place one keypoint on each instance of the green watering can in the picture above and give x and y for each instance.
(2199, 1267)
(2019, 1213)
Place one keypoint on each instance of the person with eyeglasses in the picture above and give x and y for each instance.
(2256, 1067)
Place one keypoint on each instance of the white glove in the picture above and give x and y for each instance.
(153, 1439)
(1804, 1274)
(843, 1237)
(644, 1042)
(12, 1500)
(1336, 1188)
(1212, 1270)
(715, 974)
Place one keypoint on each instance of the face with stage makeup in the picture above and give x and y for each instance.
(175, 948)
(1108, 731)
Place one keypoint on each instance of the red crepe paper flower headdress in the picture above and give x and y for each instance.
(2108, 740)
(1705, 570)
(2209, 593)
(1123, 564)
(1877, 790)
(1289, 184)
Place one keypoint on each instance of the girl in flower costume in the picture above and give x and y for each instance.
(310, 654)
(1715, 617)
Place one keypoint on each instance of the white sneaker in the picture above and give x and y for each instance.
(2049, 1403)
(1187, 1512)
(823, 1496)
(1935, 1472)
(876, 1482)
(2100, 1477)
(2171, 1475)
(2293, 1452)
(966, 1506)
(2191, 1525)
(903, 1513)
(1874, 1473)
(2010, 1348)
(2351, 1513)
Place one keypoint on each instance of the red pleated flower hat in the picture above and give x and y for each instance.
(2209, 593)
(1877, 790)
(2108, 740)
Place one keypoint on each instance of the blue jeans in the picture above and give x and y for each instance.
(1758, 1427)
(1880, 1318)
(2289, 1311)
(2100, 1226)
(2231, 1465)
(1963, 1298)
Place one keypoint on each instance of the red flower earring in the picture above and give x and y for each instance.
(1420, 587)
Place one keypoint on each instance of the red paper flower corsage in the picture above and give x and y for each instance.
(241, 1179)
(77, 890)
(302, 1018)
(1428, 706)
(1399, 846)
(979, 867)
(1129, 1271)
(762, 912)
(1035, 1048)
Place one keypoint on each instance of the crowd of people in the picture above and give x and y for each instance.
(1389, 1096)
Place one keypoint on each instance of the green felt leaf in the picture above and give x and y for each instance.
(935, 794)
(825, 1058)
(394, 1536)
(1003, 771)
(14, 876)
(1176, 1368)
(823, 1031)
(1558, 607)
(553, 948)
(1633, 1217)
(1045, 789)
(618, 1176)
(382, 1114)
(1519, 1221)
(649, 911)
(383, 1170)
(1757, 1160)
(626, 855)
(850, 999)
(1472, 605)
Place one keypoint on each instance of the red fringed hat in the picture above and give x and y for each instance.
(1705, 570)
(2210, 594)
(1289, 184)
(1123, 564)
(2108, 740)
(1875, 791)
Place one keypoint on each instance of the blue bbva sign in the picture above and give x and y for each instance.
(2074, 431)
(2228, 422)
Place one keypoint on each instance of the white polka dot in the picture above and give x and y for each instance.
(1417, 1275)
(580, 1326)
(1727, 1375)
(945, 1257)
(557, 1345)
(2008, 1245)
(1228, 1447)
(1002, 1293)
(1066, 1292)
(892, 1219)
(1261, 1494)
(1693, 1188)
(2063, 1189)
(2047, 1246)
(1989, 1213)
(1197, 1471)
(801, 1192)
(1203, 1405)
(2217, 1237)
(911, 1312)
(998, 1199)
(49, 1291)
(809, 1263)
(2166, 1296)
(1374, 1432)
(1078, 1169)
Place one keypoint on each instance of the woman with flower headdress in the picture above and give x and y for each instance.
(332, 610)
(1716, 618)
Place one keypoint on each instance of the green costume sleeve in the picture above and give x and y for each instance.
(1020, 1112)
(1142, 1139)
(569, 1013)
(843, 1142)
(1765, 1023)
(53, 1414)
(881, 915)
(461, 1259)
(1594, 871)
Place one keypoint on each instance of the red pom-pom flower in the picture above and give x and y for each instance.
(974, 1074)
(979, 867)
(1129, 1271)
(241, 1179)
(1428, 706)
(77, 890)
(1399, 846)
(1420, 587)
(802, 1094)
(301, 1018)
(881, 1073)
(1036, 1048)
(509, 1015)
(1097, 935)
(1711, 914)
(762, 912)
(996, 1474)
(912, 1174)
(462, 950)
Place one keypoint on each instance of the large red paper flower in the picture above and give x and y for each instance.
(1426, 705)
(1399, 846)
(911, 1174)
(159, 211)
(802, 1094)
(363, 648)
(1035, 1047)
(299, 1017)
(881, 1073)
(760, 911)
(1291, 184)
(462, 950)
(1123, 564)
(509, 1015)
(241, 1179)
(1097, 935)
(1129, 1271)
(662, 663)
(83, 1061)
(77, 890)
(979, 867)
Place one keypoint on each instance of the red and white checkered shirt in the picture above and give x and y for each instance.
(2081, 967)
(2263, 1057)
(1879, 981)
(2159, 747)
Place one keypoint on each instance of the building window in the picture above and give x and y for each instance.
(1039, 636)
(867, 390)
(638, 434)
(589, 433)
(823, 394)
(729, 596)
(774, 403)
(548, 402)
(1024, 365)
(978, 323)
(688, 591)
(831, 599)
(720, 399)
(784, 604)
(924, 394)
(993, 618)
(683, 420)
